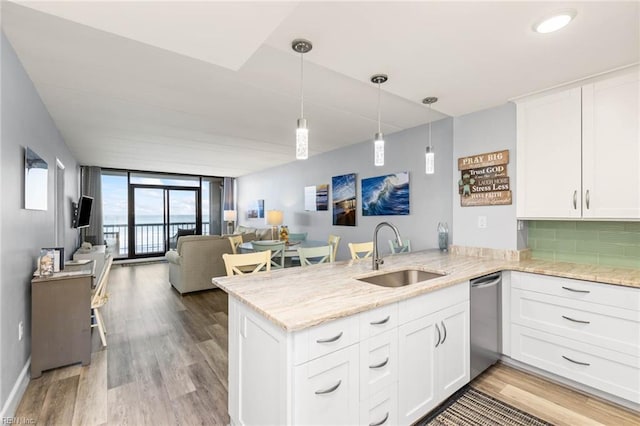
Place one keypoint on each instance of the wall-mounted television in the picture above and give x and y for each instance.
(83, 212)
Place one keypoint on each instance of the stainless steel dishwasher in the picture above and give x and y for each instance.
(486, 339)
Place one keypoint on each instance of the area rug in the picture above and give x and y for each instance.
(471, 407)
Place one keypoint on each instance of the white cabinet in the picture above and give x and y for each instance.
(578, 151)
(584, 331)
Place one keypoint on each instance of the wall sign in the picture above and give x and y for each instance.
(484, 180)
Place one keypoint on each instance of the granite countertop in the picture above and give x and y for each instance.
(298, 298)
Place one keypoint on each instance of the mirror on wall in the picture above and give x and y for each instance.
(36, 172)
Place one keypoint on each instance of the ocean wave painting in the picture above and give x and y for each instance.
(386, 195)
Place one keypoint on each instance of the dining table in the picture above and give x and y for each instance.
(291, 248)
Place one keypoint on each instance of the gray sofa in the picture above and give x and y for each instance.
(196, 260)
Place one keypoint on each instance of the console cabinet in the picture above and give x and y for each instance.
(354, 370)
(583, 331)
(577, 152)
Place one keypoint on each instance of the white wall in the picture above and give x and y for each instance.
(476, 133)
(282, 188)
(25, 122)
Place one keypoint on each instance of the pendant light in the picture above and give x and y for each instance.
(429, 156)
(378, 140)
(302, 132)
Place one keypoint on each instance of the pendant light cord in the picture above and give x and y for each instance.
(378, 106)
(430, 118)
(301, 85)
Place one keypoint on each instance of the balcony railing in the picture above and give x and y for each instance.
(149, 237)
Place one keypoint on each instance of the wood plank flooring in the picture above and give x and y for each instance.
(166, 363)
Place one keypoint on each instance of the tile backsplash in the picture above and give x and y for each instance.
(603, 243)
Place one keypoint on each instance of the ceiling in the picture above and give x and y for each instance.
(212, 87)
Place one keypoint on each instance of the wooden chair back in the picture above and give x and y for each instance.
(235, 240)
(234, 262)
(334, 241)
(315, 255)
(395, 248)
(361, 250)
(300, 236)
(277, 251)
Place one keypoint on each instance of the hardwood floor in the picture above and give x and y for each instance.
(166, 363)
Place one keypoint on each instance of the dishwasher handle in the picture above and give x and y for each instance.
(488, 281)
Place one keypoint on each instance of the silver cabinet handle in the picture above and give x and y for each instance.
(586, 196)
(575, 199)
(382, 364)
(381, 422)
(383, 321)
(575, 362)
(439, 336)
(329, 390)
(445, 331)
(576, 291)
(330, 339)
(575, 320)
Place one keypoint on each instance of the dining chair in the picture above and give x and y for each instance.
(301, 236)
(234, 263)
(404, 248)
(277, 251)
(315, 255)
(99, 299)
(334, 241)
(235, 240)
(361, 250)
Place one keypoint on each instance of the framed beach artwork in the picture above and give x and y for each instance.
(386, 195)
(257, 211)
(344, 199)
(316, 198)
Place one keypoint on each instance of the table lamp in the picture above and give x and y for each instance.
(274, 218)
(229, 216)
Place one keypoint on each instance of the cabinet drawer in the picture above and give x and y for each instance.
(381, 409)
(608, 371)
(587, 291)
(378, 320)
(325, 338)
(434, 301)
(378, 363)
(326, 389)
(605, 326)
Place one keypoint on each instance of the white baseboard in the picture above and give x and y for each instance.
(11, 404)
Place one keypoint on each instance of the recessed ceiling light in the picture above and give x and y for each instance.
(554, 22)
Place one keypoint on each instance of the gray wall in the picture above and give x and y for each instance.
(25, 122)
(282, 188)
(486, 131)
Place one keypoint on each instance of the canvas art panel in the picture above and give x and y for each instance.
(386, 195)
(344, 199)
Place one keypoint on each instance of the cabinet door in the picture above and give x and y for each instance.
(417, 375)
(548, 156)
(453, 351)
(378, 363)
(326, 389)
(611, 148)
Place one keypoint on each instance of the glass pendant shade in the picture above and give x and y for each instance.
(378, 150)
(302, 140)
(429, 161)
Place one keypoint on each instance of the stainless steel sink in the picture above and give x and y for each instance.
(401, 278)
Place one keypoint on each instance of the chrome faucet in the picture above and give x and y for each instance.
(376, 260)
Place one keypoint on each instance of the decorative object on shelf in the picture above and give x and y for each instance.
(429, 156)
(443, 236)
(45, 262)
(484, 180)
(316, 198)
(378, 140)
(344, 199)
(58, 257)
(386, 195)
(230, 217)
(36, 172)
(302, 132)
(274, 218)
(284, 233)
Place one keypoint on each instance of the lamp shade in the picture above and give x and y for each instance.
(274, 217)
(229, 215)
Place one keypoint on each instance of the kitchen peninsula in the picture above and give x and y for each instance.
(319, 346)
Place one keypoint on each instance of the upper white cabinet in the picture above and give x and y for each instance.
(578, 152)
